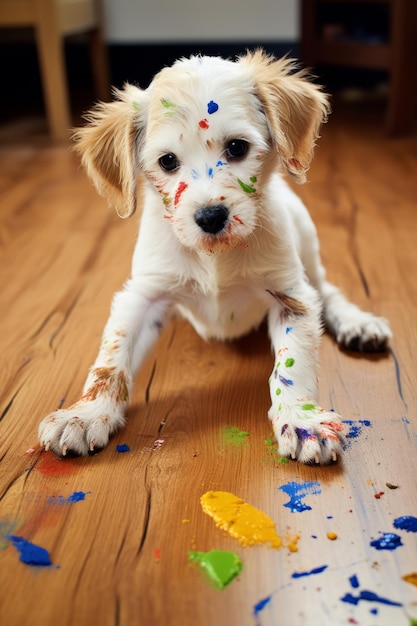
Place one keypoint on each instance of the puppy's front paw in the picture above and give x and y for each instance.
(364, 332)
(82, 429)
(308, 433)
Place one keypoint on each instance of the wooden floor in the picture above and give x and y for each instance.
(119, 547)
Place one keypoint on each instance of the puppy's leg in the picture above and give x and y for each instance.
(304, 430)
(131, 330)
(353, 328)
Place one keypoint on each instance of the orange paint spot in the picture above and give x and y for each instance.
(50, 465)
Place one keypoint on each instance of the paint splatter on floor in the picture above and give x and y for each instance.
(411, 578)
(77, 496)
(122, 447)
(316, 570)
(407, 522)
(220, 566)
(29, 553)
(260, 606)
(354, 430)
(50, 465)
(368, 596)
(388, 541)
(232, 435)
(297, 492)
(239, 519)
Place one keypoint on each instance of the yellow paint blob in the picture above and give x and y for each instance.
(292, 542)
(331, 536)
(240, 520)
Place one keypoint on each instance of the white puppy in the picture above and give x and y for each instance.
(223, 240)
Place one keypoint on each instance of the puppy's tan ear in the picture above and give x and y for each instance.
(294, 107)
(109, 148)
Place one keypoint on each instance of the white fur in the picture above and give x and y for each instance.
(224, 283)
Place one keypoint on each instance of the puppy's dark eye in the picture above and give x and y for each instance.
(237, 148)
(169, 162)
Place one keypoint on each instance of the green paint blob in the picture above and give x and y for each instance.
(135, 105)
(220, 566)
(234, 436)
(253, 179)
(289, 362)
(246, 187)
(309, 407)
(278, 391)
(413, 622)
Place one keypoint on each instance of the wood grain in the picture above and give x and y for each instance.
(120, 556)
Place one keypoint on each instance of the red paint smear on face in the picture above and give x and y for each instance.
(50, 465)
(181, 188)
(237, 219)
(203, 124)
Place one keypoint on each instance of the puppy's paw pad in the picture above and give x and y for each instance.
(364, 333)
(309, 434)
(79, 430)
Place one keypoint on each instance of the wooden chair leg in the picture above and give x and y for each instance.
(403, 72)
(53, 71)
(99, 64)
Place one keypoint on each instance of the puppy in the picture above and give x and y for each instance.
(223, 240)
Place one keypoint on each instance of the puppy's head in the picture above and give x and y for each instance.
(207, 134)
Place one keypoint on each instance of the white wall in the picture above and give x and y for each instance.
(157, 21)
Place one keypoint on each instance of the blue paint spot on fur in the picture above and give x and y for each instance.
(212, 107)
(286, 381)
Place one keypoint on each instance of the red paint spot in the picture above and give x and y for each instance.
(378, 495)
(336, 426)
(181, 188)
(203, 124)
(50, 465)
(237, 219)
(157, 554)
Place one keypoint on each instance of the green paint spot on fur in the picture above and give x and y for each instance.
(246, 187)
(220, 566)
(253, 179)
(289, 362)
(278, 391)
(309, 407)
(232, 435)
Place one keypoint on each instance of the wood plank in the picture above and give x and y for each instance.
(120, 556)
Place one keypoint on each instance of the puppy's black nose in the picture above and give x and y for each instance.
(212, 219)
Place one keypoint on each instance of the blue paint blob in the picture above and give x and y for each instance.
(210, 172)
(407, 522)
(285, 381)
(297, 492)
(221, 163)
(369, 596)
(388, 541)
(212, 107)
(259, 606)
(122, 447)
(29, 553)
(77, 496)
(354, 581)
(316, 570)
(288, 330)
(374, 611)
